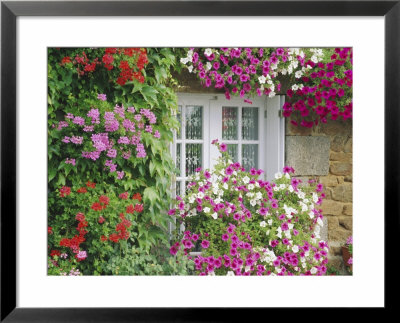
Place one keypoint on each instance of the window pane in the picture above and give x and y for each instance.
(193, 158)
(178, 188)
(230, 123)
(178, 158)
(232, 150)
(179, 117)
(194, 122)
(249, 156)
(250, 123)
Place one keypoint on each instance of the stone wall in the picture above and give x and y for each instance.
(325, 153)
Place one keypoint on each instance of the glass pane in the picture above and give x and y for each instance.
(193, 158)
(179, 117)
(178, 188)
(178, 158)
(230, 123)
(250, 123)
(250, 156)
(194, 122)
(232, 150)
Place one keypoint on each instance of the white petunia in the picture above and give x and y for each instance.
(208, 66)
(263, 224)
(258, 196)
(250, 187)
(295, 249)
(262, 79)
(225, 186)
(208, 51)
(253, 202)
(295, 87)
(298, 74)
(313, 270)
(206, 209)
(320, 222)
(184, 60)
(246, 180)
(314, 59)
(214, 215)
(190, 68)
(200, 195)
(278, 175)
(230, 273)
(270, 221)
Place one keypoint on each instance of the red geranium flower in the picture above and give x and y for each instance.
(64, 191)
(130, 209)
(97, 206)
(103, 238)
(101, 219)
(90, 184)
(50, 230)
(124, 196)
(55, 253)
(65, 60)
(139, 208)
(114, 237)
(82, 190)
(137, 196)
(104, 199)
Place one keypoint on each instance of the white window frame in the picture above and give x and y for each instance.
(271, 136)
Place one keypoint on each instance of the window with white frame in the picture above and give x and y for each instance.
(253, 132)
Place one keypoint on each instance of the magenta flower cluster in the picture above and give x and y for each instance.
(247, 226)
(324, 91)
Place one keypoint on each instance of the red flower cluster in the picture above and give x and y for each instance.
(55, 253)
(102, 204)
(130, 208)
(66, 60)
(74, 242)
(64, 191)
(82, 190)
(90, 184)
(50, 230)
(122, 233)
(137, 196)
(84, 66)
(322, 99)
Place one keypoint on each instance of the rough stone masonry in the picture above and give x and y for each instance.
(325, 153)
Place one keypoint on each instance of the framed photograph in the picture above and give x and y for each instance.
(146, 144)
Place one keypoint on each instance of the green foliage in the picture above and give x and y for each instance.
(72, 89)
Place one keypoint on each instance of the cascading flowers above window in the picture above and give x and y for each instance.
(320, 79)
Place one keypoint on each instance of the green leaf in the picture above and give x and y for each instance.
(149, 93)
(150, 195)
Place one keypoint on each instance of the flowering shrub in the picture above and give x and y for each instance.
(112, 135)
(320, 87)
(246, 226)
(90, 226)
(110, 121)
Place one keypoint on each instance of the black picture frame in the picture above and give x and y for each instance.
(10, 10)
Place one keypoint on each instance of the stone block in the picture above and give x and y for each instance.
(338, 142)
(335, 127)
(348, 209)
(341, 169)
(324, 230)
(343, 193)
(348, 178)
(339, 235)
(335, 248)
(346, 222)
(308, 155)
(333, 222)
(342, 157)
(328, 181)
(330, 207)
(348, 147)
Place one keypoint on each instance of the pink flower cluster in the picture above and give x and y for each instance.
(111, 142)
